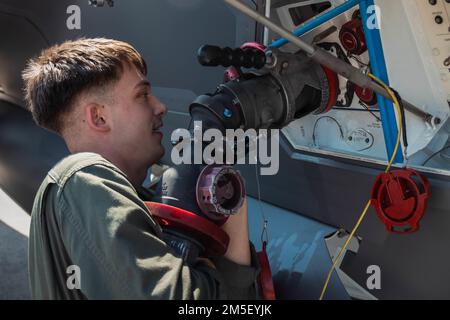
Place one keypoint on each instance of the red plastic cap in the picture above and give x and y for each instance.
(400, 198)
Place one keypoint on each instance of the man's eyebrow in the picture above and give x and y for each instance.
(143, 83)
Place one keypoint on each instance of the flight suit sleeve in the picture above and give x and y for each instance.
(109, 235)
(239, 280)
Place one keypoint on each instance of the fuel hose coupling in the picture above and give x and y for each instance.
(220, 192)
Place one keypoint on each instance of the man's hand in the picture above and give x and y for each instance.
(237, 228)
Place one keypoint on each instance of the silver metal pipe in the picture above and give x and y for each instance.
(321, 56)
(268, 5)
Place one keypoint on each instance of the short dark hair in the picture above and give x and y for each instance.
(60, 73)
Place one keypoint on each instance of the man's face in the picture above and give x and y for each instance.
(136, 118)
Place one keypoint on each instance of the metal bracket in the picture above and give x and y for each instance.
(334, 243)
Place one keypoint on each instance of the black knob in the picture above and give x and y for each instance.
(213, 56)
(210, 56)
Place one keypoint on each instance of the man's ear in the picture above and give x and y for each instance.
(97, 117)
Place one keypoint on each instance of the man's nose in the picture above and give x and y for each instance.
(160, 109)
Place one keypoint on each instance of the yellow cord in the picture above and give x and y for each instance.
(388, 168)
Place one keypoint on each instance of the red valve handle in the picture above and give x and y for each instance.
(211, 236)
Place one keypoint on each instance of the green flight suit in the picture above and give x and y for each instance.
(87, 214)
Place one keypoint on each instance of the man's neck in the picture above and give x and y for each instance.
(136, 173)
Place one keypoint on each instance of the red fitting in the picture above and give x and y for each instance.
(352, 37)
(400, 199)
(367, 96)
(265, 276)
(231, 74)
(253, 45)
(333, 88)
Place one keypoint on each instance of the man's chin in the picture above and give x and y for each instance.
(163, 152)
(157, 155)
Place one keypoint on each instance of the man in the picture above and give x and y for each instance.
(87, 215)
